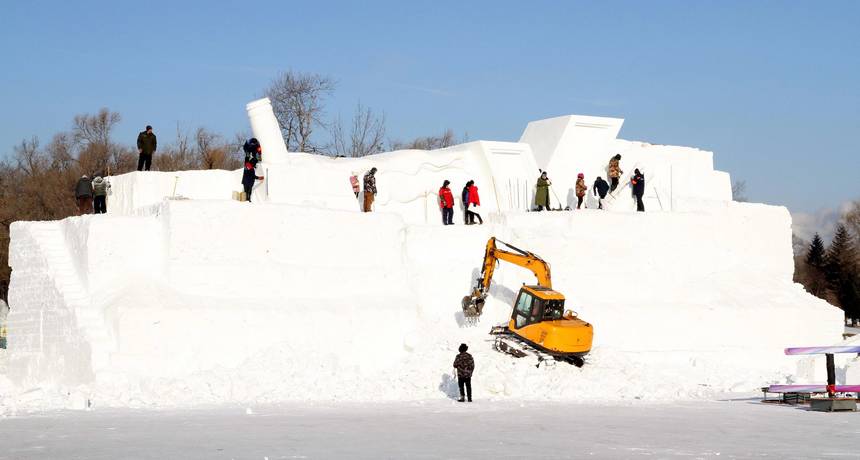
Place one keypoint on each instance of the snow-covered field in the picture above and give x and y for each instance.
(438, 429)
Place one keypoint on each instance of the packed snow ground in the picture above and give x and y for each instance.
(438, 429)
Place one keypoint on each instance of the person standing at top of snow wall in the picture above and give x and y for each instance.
(581, 188)
(369, 189)
(446, 202)
(614, 171)
(542, 192)
(600, 188)
(146, 145)
(638, 183)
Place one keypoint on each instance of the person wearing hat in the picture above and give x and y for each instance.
(84, 195)
(464, 365)
(249, 175)
(581, 188)
(253, 149)
(369, 189)
(542, 193)
(146, 145)
(446, 202)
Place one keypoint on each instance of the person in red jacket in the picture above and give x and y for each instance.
(472, 200)
(446, 202)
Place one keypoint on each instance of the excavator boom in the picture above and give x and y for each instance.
(473, 304)
(516, 256)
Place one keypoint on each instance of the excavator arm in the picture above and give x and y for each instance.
(473, 304)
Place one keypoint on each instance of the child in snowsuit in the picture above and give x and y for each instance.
(581, 188)
(249, 175)
(464, 364)
(600, 188)
(353, 181)
(446, 202)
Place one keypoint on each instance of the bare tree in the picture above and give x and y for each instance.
(92, 133)
(214, 152)
(28, 157)
(739, 190)
(366, 136)
(446, 139)
(298, 102)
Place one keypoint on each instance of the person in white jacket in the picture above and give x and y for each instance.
(101, 189)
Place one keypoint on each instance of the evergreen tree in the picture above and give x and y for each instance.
(815, 255)
(841, 274)
(814, 280)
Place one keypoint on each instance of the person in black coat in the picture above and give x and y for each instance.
(84, 195)
(600, 189)
(638, 183)
(467, 219)
(249, 175)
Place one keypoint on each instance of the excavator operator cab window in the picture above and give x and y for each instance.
(529, 310)
(523, 310)
(554, 310)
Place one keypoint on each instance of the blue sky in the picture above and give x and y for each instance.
(773, 88)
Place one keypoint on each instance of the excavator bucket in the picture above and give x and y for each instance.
(472, 306)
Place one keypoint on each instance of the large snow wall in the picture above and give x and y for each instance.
(181, 295)
(217, 300)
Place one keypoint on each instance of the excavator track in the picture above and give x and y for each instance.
(507, 342)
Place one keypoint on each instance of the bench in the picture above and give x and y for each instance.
(795, 394)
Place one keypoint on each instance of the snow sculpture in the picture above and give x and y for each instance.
(266, 129)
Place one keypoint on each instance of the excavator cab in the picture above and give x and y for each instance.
(539, 317)
(533, 305)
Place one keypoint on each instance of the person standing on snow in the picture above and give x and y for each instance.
(542, 193)
(464, 365)
(101, 189)
(353, 181)
(470, 200)
(614, 171)
(581, 188)
(146, 145)
(249, 175)
(446, 202)
(369, 189)
(600, 189)
(84, 195)
(638, 183)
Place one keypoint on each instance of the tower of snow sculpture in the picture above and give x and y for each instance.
(266, 129)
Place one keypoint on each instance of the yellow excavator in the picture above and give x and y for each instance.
(539, 324)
